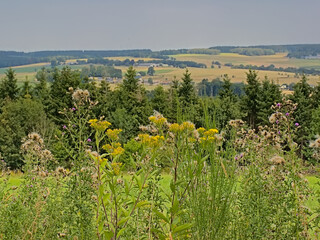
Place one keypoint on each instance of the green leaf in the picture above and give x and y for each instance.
(182, 228)
(175, 206)
(122, 221)
(142, 203)
(108, 235)
(161, 215)
(120, 232)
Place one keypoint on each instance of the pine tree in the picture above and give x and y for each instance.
(303, 115)
(186, 90)
(269, 95)
(9, 87)
(229, 107)
(60, 94)
(26, 90)
(174, 109)
(160, 101)
(250, 100)
(131, 98)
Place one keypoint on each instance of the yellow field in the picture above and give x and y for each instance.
(130, 58)
(279, 60)
(32, 65)
(236, 75)
(167, 74)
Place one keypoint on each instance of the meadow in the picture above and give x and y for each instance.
(179, 183)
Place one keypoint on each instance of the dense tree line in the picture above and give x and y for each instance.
(101, 71)
(128, 62)
(252, 51)
(271, 67)
(39, 108)
(294, 50)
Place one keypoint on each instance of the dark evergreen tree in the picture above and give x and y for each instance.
(303, 115)
(174, 109)
(250, 105)
(160, 101)
(186, 90)
(229, 103)
(105, 100)
(269, 94)
(131, 97)
(41, 90)
(26, 90)
(8, 87)
(65, 81)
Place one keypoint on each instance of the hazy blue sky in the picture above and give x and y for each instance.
(30, 25)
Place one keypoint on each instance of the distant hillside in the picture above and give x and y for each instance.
(294, 51)
(12, 58)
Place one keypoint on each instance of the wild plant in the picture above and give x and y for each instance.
(272, 190)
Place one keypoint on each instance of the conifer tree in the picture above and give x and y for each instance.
(229, 108)
(250, 100)
(60, 94)
(186, 90)
(269, 95)
(8, 87)
(303, 115)
(174, 109)
(160, 101)
(131, 98)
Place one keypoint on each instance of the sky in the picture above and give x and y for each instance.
(34, 25)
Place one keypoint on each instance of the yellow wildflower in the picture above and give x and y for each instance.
(116, 167)
(113, 134)
(175, 128)
(117, 151)
(150, 141)
(211, 132)
(152, 118)
(107, 147)
(159, 120)
(99, 125)
(188, 126)
(201, 130)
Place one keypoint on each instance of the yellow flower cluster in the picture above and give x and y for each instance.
(159, 121)
(201, 130)
(185, 126)
(208, 136)
(99, 125)
(116, 167)
(151, 141)
(175, 128)
(115, 149)
(114, 134)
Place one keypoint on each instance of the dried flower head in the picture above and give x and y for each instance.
(277, 160)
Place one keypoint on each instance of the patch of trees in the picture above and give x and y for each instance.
(273, 68)
(252, 51)
(294, 50)
(101, 71)
(212, 88)
(128, 62)
(190, 51)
